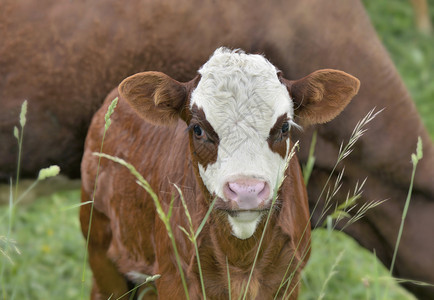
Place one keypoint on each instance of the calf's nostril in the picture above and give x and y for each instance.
(229, 193)
(265, 192)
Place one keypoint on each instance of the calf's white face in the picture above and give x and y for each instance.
(239, 115)
(243, 99)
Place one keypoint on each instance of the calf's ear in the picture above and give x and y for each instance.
(322, 95)
(156, 97)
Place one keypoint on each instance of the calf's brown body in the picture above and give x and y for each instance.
(126, 229)
(129, 238)
(127, 234)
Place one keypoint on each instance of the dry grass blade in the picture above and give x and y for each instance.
(8, 245)
(110, 111)
(165, 217)
(331, 274)
(344, 151)
(278, 185)
(361, 212)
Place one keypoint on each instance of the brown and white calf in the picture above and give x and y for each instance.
(224, 135)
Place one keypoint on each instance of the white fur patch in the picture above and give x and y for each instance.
(242, 98)
(245, 223)
(140, 278)
(137, 277)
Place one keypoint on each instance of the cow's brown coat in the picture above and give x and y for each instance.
(131, 237)
(133, 225)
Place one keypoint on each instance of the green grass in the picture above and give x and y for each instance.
(48, 235)
(51, 245)
(357, 273)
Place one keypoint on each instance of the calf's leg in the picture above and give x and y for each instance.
(106, 277)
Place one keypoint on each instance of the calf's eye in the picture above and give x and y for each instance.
(285, 127)
(198, 131)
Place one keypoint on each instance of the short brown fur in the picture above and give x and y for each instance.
(310, 90)
(168, 156)
(133, 218)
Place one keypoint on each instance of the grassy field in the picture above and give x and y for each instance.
(49, 264)
(48, 236)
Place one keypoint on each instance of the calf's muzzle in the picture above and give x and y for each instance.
(247, 194)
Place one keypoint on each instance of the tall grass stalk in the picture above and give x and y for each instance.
(287, 282)
(342, 210)
(278, 185)
(10, 245)
(229, 279)
(298, 266)
(19, 136)
(331, 274)
(165, 217)
(192, 236)
(415, 157)
(344, 151)
(259, 245)
(110, 111)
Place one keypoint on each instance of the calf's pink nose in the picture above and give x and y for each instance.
(247, 193)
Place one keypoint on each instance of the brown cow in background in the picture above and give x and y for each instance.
(64, 57)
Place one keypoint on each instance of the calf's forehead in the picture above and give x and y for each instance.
(241, 90)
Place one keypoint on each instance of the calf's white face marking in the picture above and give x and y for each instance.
(242, 97)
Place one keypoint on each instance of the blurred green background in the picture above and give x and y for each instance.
(50, 261)
(411, 50)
